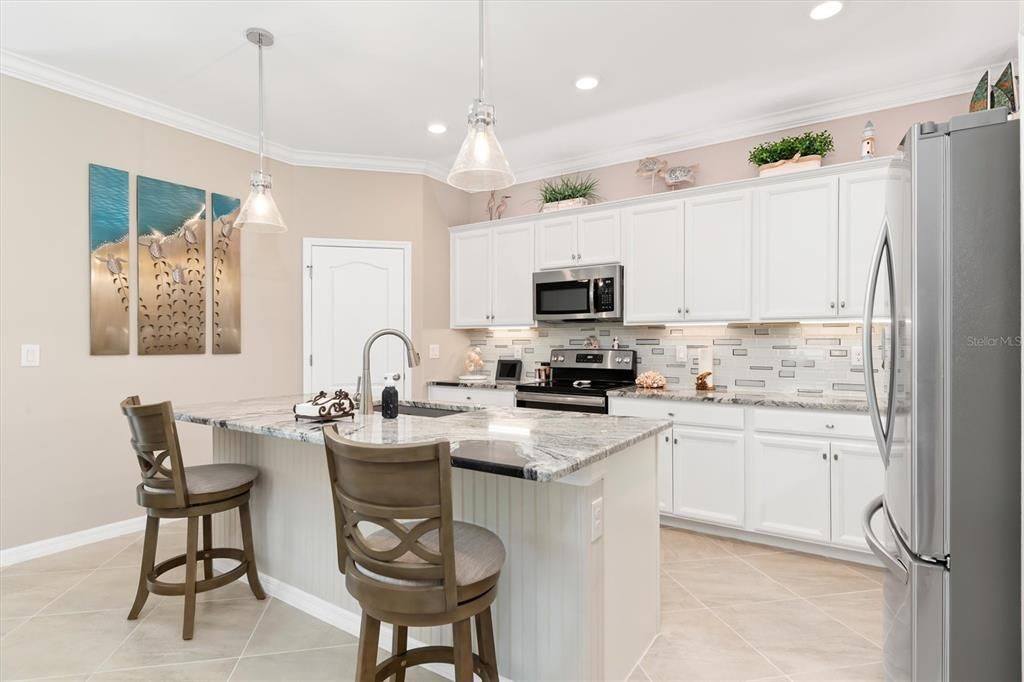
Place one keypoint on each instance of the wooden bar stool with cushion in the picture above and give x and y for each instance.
(420, 568)
(176, 491)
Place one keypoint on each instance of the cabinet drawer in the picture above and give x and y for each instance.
(720, 416)
(476, 396)
(813, 423)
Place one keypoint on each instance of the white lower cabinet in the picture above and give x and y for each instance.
(665, 472)
(707, 475)
(857, 478)
(490, 397)
(789, 487)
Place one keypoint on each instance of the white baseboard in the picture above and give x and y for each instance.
(828, 551)
(332, 614)
(62, 543)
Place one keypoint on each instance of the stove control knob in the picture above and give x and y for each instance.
(618, 360)
(560, 358)
(627, 359)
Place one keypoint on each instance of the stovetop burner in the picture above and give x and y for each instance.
(581, 379)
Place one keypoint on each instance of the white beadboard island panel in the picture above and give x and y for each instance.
(567, 608)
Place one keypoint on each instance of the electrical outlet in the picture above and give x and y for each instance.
(596, 519)
(517, 352)
(681, 353)
(29, 355)
(857, 356)
(434, 351)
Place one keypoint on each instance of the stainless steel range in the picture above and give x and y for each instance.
(580, 380)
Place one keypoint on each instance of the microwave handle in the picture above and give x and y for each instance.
(593, 296)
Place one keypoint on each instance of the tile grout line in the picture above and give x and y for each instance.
(266, 607)
(120, 644)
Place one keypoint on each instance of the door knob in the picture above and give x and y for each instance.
(842, 304)
(836, 457)
(824, 456)
(832, 304)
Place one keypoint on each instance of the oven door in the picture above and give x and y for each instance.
(562, 401)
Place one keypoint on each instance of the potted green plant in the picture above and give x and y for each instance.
(791, 153)
(567, 192)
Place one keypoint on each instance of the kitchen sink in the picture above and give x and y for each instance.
(422, 411)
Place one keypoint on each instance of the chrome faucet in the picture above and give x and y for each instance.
(366, 394)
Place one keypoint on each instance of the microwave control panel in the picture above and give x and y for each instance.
(604, 294)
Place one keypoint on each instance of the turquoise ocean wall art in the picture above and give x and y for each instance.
(227, 274)
(109, 290)
(171, 222)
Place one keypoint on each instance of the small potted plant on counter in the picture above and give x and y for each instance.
(566, 192)
(791, 153)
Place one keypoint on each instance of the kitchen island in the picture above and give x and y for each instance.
(573, 496)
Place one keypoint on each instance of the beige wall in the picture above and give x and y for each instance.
(728, 160)
(65, 463)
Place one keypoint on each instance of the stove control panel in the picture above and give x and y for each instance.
(596, 358)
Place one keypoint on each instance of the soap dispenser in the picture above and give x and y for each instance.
(389, 398)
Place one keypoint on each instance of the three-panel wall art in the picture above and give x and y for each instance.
(188, 253)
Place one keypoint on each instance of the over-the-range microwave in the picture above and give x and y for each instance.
(590, 293)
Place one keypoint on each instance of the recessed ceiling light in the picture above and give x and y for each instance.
(437, 128)
(825, 10)
(586, 82)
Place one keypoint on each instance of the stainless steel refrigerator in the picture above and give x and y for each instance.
(942, 372)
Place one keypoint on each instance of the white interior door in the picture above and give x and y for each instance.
(354, 291)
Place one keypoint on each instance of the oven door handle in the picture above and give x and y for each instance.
(560, 399)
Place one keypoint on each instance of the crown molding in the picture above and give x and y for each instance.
(38, 73)
(33, 71)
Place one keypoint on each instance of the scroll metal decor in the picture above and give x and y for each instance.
(227, 275)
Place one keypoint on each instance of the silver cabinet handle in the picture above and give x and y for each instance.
(832, 305)
(830, 426)
(842, 304)
(679, 310)
(835, 456)
(675, 441)
(666, 439)
(686, 310)
(824, 456)
(671, 414)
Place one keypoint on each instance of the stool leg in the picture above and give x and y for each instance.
(207, 545)
(366, 656)
(399, 645)
(148, 560)
(250, 556)
(485, 642)
(463, 637)
(191, 549)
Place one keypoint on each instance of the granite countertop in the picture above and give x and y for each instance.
(541, 445)
(752, 398)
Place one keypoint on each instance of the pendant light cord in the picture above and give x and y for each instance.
(259, 48)
(480, 85)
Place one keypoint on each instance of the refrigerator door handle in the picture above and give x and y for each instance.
(894, 565)
(883, 431)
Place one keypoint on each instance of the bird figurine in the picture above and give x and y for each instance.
(500, 210)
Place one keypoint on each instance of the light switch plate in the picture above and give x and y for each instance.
(434, 351)
(681, 351)
(857, 356)
(596, 519)
(29, 355)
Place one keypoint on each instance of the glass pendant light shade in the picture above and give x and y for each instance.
(259, 212)
(481, 164)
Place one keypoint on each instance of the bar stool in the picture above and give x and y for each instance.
(421, 568)
(192, 492)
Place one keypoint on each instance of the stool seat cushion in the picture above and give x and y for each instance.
(208, 483)
(479, 554)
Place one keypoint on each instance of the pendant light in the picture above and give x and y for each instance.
(481, 164)
(259, 213)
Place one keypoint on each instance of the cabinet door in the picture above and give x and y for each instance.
(789, 487)
(717, 234)
(457, 395)
(796, 232)
(857, 477)
(707, 470)
(861, 209)
(471, 278)
(556, 243)
(599, 239)
(512, 279)
(653, 263)
(665, 472)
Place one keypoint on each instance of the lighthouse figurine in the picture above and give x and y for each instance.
(867, 141)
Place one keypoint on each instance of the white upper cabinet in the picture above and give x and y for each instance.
(471, 278)
(653, 262)
(572, 241)
(797, 235)
(512, 279)
(857, 477)
(492, 276)
(717, 235)
(862, 198)
(556, 242)
(789, 487)
(599, 239)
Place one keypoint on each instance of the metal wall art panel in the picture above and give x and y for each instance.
(109, 290)
(227, 275)
(172, 268)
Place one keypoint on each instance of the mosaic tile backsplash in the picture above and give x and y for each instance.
(812, 359)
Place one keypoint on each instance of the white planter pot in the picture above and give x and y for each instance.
(559, 205)
(794, 165)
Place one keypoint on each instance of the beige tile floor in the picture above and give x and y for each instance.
(731, 611)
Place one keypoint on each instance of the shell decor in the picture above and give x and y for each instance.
(474, 360)
(651, 380)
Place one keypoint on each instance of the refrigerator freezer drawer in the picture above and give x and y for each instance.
(826, 424)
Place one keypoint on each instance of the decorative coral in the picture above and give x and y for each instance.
(651, 380)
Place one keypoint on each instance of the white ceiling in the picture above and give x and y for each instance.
(354, 84)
